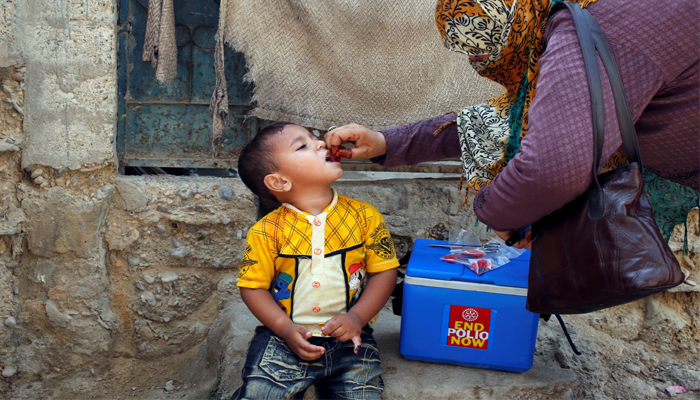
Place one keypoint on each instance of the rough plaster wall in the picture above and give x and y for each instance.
(68, 48)
(11, 214)
(8, 29)
(56, 161)
(173, 243)
(415, 209)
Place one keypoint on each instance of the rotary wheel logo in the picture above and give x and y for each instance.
(470, 315)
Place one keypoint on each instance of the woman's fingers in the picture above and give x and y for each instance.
(368, 143)
(343, 134)
(504, 235)
(526, 241)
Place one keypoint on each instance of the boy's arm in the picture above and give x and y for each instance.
(266, 310)
(375, 295)
(349, 326)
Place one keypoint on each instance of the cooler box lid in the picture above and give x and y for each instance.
(425, 263)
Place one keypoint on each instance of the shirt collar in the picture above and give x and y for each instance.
(328, 208)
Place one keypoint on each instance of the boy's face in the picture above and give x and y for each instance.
(304, 159)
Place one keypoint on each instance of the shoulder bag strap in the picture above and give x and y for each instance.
(596, 195)
(592, 38)
(624, 116)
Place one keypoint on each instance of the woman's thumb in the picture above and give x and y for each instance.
(357, 341)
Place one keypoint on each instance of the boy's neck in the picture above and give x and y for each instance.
(311, 201)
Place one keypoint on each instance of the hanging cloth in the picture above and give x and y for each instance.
(160, 39)
(325, 63)
(218, 108)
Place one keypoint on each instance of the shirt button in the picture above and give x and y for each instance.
(317, 251)
(317, 222)
(316, 284)
(316, 309)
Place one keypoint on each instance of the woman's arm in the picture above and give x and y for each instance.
(415, 143)
(402, 144)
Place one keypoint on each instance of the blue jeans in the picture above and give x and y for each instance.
(273, 371)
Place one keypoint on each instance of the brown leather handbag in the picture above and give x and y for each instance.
(604, 248)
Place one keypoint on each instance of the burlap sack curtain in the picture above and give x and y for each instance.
(323, 63)
(160, 38)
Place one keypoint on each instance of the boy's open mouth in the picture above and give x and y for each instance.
(329, 157)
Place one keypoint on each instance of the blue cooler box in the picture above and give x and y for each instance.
(452, 315)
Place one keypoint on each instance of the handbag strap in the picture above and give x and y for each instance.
(624, 115)
(592, 38)
(568, 337)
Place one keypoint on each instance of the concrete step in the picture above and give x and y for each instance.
(217, 367)
(407, 379)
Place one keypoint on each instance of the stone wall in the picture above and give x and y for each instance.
(109, 282)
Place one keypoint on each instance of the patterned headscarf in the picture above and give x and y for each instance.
(511, 32)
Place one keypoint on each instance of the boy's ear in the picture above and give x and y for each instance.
(277, 183)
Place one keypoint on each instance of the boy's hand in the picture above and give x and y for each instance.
(345, 327)
(296, 337)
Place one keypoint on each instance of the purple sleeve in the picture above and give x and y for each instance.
(414, 143)
(554, 166)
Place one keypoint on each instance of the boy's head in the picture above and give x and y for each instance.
(284, 160)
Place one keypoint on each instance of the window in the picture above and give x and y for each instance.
(169, 125)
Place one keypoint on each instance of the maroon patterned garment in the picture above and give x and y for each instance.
(658, 55)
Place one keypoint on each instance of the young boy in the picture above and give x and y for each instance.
(302, 274)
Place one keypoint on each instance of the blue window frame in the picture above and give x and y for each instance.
(169, 125)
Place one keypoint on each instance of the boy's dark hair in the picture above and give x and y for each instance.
(257, 160)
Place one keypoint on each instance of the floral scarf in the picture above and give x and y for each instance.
(505, 40)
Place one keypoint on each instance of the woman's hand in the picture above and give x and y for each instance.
(524, 243)
(368, 143)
